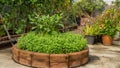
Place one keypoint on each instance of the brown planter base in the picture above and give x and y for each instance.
(107, 40)
(42, 60)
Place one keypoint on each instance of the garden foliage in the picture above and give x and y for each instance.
(52, 44)
(46, 23)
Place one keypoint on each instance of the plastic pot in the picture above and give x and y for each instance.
(90, 39)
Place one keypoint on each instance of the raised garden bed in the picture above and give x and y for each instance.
(43, 60)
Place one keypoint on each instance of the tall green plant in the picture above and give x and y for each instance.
(109, 28)
(46, 23)
(109, 20)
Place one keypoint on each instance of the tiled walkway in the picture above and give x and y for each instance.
(100, 57)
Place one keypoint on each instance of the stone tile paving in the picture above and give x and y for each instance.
(100, 57)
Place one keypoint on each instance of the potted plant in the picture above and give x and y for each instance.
(109, 20)
(91, 31)
(108, 31)
(64, 50)
(45, 49)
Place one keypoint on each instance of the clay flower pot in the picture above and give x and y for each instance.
(107, 40)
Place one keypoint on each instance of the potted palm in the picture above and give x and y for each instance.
(91, 31)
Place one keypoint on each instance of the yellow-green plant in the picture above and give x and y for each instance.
(92, 29)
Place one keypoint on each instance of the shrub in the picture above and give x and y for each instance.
(92, 29)
(52, 44)
(46, 23)
(109, 21)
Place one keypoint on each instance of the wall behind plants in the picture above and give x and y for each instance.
(15, 12)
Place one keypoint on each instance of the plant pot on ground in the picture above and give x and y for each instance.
(56, 48)
(109, 21)
(107, 40)
(108, 31)
(90, 39)
(91, 31)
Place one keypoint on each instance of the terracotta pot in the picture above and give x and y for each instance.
(106, 40)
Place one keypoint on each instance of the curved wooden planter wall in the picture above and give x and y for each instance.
(42, 60)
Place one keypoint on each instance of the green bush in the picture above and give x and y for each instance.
(46, 23)
(52, 44)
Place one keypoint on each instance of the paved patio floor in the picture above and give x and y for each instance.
(100, 57)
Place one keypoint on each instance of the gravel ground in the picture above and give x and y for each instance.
(100, 57)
